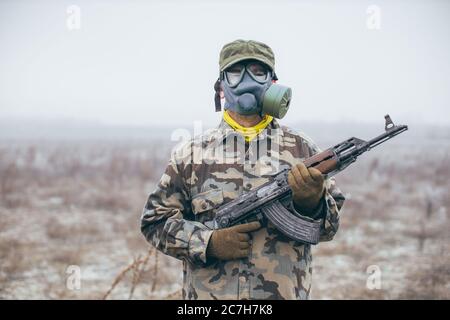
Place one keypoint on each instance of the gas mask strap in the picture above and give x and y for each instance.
(217, 95)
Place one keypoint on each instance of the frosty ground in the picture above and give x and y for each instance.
(78, 202)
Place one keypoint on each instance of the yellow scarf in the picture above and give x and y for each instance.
(248, 132)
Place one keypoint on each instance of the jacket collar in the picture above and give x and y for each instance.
(225, 131)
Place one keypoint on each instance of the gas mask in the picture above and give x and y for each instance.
(249, 89)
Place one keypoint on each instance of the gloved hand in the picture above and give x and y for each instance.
(231, 243)
(307, 187)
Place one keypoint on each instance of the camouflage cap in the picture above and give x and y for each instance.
(239, 50)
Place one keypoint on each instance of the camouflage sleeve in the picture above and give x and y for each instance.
(332, 202)
(165, 222)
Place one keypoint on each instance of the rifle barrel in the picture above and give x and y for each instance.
(389, 134)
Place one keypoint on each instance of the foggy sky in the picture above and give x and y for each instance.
(154, 62)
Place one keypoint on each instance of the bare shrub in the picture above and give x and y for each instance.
(112, 200)
(78, 233)
(68, 256)
(136, 267)
(430, 282)
(10, 261)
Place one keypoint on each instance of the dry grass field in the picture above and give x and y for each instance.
(66, 203)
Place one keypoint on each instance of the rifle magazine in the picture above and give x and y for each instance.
(298, 228)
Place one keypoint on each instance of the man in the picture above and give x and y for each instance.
(252, 260)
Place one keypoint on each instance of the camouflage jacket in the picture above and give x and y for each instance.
(210, 170)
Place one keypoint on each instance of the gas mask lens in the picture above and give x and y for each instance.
(258, 71)
(234, 74)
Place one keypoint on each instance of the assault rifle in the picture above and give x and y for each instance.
(271, 200)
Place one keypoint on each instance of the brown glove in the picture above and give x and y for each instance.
(231, 243)
(307, 187)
